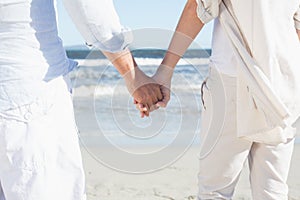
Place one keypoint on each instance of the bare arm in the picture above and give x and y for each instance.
(298, 33)
(187, 29)
(123, 61)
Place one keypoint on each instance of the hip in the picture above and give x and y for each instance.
(25, 107)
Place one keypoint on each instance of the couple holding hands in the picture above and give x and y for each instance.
(40, 154)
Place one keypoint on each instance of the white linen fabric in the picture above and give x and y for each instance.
(39, 149)
(223, 155)
(266, 51)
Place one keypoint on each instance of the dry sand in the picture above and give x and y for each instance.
(176, 182)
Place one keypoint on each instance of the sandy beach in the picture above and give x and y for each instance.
(176, 182)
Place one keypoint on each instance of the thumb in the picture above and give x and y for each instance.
(166, 97)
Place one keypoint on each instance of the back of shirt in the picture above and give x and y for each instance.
(31, 53)
(269, 28)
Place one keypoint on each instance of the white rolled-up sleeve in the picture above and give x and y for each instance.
(99, 24)
(297, 19)
(208, 10)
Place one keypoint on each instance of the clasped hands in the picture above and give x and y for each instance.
(149, 93)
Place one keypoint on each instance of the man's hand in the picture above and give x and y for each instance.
(145, 91)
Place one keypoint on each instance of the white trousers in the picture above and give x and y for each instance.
(223, 154)
(40, 158)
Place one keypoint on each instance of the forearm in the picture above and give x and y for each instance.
(187, 29)
(123, 61)
(298, 33)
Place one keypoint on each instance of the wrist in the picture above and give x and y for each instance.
(123, 61)
(136, 78)
(132, 74)
(164, 74)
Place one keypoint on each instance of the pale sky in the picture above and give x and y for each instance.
(136, 14)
